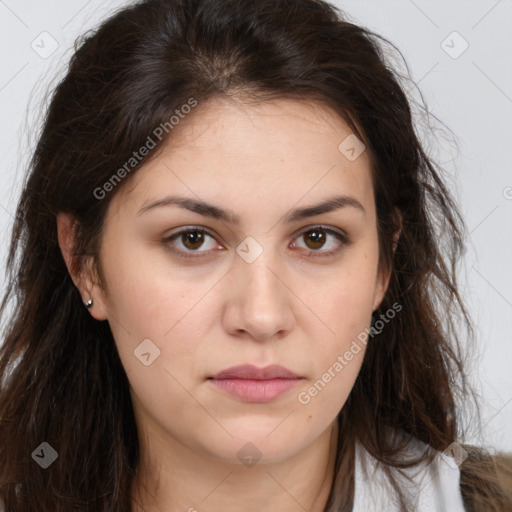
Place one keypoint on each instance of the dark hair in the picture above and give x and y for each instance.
(61, 378)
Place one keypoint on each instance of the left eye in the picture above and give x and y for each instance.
(318, 237)
(191, 239)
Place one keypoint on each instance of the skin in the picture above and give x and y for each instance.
(217, 310)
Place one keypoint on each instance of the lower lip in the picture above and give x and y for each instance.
(258, 391)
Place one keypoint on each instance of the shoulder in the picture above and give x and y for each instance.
(486, 480)
(427, 487)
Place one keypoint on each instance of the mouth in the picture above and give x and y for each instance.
(258, 385)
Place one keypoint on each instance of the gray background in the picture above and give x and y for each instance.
(468, 89)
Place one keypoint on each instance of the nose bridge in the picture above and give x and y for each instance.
(259, 297)
(256, 268)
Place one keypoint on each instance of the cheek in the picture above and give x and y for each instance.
(339, 354)
(147, 302)
(348, 317)
(140, 296)
(345, 307)
(346, 301)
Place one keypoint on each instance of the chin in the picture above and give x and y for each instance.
(257, 448)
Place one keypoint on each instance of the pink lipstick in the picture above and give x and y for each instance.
(252, 384)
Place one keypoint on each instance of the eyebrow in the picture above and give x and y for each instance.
(210, 210)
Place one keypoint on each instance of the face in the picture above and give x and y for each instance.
(190, 292)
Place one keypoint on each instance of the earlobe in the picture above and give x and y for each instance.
(84, 280)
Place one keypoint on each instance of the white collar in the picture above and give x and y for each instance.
(435, 487)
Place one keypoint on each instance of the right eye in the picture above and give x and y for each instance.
(189, 240)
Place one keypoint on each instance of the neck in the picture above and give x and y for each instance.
(187, 481)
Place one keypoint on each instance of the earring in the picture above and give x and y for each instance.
(88, 304)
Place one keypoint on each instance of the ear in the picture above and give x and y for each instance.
(383, 278)
(86, 279)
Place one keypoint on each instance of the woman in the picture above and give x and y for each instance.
(235, 192)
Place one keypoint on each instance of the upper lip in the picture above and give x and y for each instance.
(248, 371)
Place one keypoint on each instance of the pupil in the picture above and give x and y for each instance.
(317, 237)
(195, 238)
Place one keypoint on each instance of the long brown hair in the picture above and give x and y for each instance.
(61, 379)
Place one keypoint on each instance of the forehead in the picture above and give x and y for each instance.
(280, 147)
(287, 126)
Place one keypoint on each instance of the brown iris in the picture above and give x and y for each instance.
(316, 236)
(192, 239)
(315, 239)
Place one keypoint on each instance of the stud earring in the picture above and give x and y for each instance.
(88, 304)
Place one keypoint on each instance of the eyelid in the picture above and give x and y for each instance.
(186, 229)
(325, 227)
(342, 237)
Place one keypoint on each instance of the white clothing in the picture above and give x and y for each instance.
(435, 487)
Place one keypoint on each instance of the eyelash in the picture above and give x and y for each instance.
(343, 239)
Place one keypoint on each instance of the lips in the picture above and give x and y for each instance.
(258, 385)
(247, 371)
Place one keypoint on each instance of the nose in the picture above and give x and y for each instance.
(259, 300)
